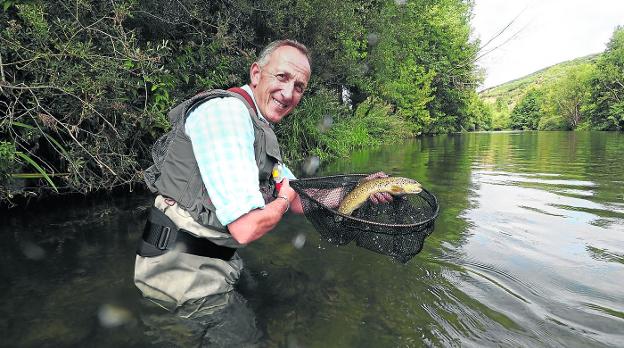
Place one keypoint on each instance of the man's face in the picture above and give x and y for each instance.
(279, 85)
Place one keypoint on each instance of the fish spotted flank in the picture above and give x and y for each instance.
(391, 185)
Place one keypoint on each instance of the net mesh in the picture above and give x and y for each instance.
(397, 229)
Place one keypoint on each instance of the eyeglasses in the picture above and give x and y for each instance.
(286, 78)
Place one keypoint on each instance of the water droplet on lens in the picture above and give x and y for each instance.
(299, 241)
(33, 251)
(311, 165)
(364, 68)
(372, 39)
(326, 123)
(180, 248)
(112, 316)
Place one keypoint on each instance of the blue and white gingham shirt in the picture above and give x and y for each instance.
(222, 136)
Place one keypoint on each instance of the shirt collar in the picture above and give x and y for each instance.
(247, 89)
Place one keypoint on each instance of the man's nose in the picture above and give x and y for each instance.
(288, 90)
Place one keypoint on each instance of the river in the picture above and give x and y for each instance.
(528, 251)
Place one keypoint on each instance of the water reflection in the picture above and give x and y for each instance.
(528, 261)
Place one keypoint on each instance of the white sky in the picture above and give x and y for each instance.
(545, 32)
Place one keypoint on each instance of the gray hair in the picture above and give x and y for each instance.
(263, 58)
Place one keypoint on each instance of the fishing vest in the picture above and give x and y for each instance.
(175, 173)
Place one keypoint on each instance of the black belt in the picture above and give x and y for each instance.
(161, 234)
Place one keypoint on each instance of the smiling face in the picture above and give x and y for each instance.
(279, 85)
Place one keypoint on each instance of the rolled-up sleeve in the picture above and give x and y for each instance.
(222, 137)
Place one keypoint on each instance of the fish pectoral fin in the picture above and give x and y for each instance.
(395, 189)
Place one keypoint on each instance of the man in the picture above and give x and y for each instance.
(212, 178)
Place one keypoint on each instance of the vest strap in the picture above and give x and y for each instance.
(161, 235)
(243, 93)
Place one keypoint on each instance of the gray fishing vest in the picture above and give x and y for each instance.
(175, 173)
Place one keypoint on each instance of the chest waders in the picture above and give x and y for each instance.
(185, 253)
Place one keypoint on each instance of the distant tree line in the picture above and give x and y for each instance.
(589, 95)
(85, 85)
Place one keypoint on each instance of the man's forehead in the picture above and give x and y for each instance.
(288, 57)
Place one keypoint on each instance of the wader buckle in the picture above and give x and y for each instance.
(163, 239)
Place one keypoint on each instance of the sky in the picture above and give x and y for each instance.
(542, 33)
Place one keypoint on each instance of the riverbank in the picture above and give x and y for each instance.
(380, 73)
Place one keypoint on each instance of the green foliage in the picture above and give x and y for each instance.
(586, 93)
(481, 114)
(423, 63)
(321, 126)
(550, 123)
(607, 86)
(500, 113)
(527, 113)
(505, 97)
(7, 158)
(564, 97)
(75, 78)
(86, 85)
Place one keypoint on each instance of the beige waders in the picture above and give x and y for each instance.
(176, 277)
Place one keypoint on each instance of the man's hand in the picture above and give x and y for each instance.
(379, 197)
(287, 191)
(292, 195)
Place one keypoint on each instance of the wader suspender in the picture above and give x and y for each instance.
(161, 234)
(245, 95)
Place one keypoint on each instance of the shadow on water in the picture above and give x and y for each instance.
(528, 251)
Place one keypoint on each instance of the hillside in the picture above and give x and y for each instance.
(513, 90)
(502, 99)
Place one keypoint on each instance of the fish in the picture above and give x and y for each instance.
(392, 185)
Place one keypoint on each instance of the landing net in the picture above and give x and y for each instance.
(397, 229)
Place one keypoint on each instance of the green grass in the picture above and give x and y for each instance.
(307, 131)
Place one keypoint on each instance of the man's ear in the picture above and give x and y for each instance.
(254, 74)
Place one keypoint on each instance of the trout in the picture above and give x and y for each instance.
(391, 185)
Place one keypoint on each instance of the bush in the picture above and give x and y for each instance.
(552, 123)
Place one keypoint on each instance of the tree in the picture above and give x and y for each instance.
(527, 113)
(607, 97)
(565, 97)
(423, 62)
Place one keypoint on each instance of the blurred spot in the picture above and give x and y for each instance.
(299, 240)
(33, 251)
(400, 2)
(311, 165)
(372, 39)
(292, 341)
(173, 253)
(113, 316)
(81, 272)
(364, 68)
(180, 248)
(326, 123)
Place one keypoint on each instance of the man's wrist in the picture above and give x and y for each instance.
(287, 202)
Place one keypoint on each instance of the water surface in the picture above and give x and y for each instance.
(528, 251)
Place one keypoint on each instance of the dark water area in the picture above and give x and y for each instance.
(528, 251)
